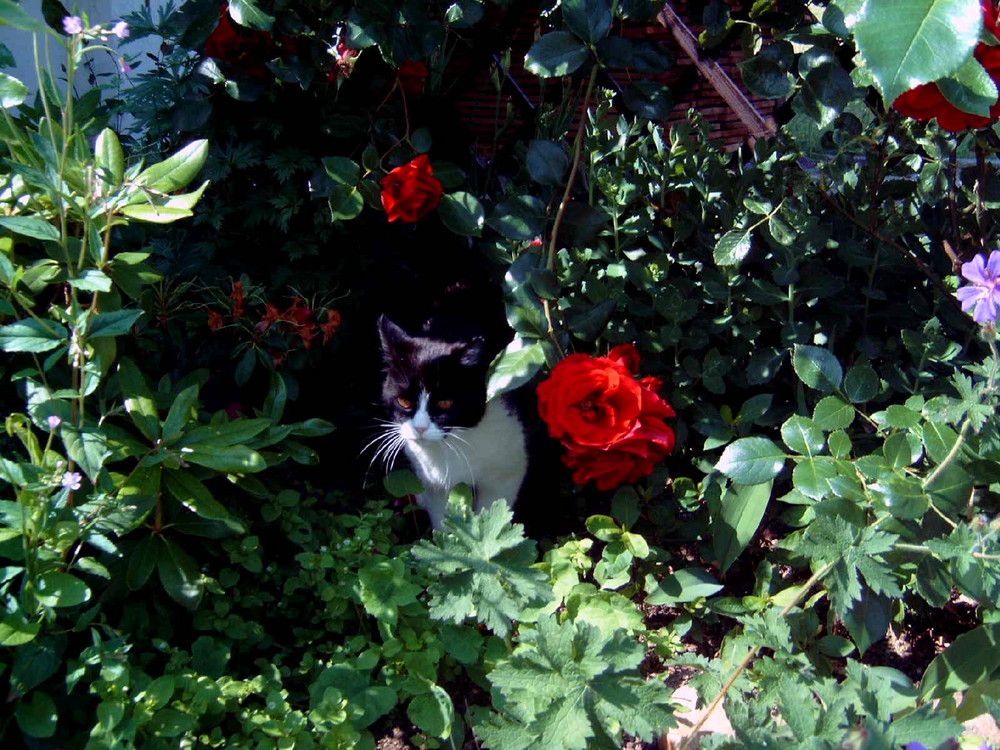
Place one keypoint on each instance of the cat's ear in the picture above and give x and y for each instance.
(393, 337)
(473, 352)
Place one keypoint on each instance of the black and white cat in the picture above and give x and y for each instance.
(435, 395)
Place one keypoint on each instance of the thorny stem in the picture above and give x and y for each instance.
(561, 213)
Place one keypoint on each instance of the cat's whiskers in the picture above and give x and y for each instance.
(388, 443)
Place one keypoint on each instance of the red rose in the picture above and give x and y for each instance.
(247, 50)
(590, 401)
(411, 191)
(610, 423)
(925, 102)
(412, 76)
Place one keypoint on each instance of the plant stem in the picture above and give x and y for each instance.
(561, 212)
(959, 442)
(753, 653)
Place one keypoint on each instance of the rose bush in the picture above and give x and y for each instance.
(610, 423)
(411, 191)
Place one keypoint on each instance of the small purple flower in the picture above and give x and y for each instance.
(982, 294)
(120, 30)
(73, 25)
(916, 746)
(126, 68)
(53, 421)
(71, 480)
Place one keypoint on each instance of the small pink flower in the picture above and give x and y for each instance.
(53, 421)
(126, 68)
(73, 25)
(71, 480)
(120, 30)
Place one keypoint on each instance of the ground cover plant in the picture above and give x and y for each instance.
(784, 489)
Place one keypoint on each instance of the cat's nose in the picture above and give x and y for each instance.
(420, 429)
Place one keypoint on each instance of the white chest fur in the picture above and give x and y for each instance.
(491, 457)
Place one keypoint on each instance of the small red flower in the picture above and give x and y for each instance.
(237, 297)
(215, 320)
(330, 326)
(411, 191)
(271, 316)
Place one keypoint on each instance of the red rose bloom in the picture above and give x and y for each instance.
(246, 50)
(412, 76)
(925, 102)
(411, 191)
(610, 423)
(590, 401)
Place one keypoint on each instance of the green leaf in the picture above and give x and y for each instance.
(139, 401)
(971, 88)
(181, 411)
(588, 19)
(803, 436)
(910, 42)
(732, 247)
(684, 585)
(232, 459)
(248, 13)
(811, 476)
(481, 565)
(740, 513)
(515, 366)
(109, 155)
(604, 528)
(12, 14)
(567, 683)
(32, 335)
(194, 496)
(342, 171)
(752, 460)
(433, 712)
(58, 589)
(346, 202)
(13, 93)
(401, 483)
(155, 214)
(817, 367)
(587, 322)
(142, 562)
(833, 413)
(179, 575)
(92, 280)
(765, 76)
(37, 716)
(87, 447)
(557, 53)
(867, 619)
(385, 587)
(16, 631)
(114, 323)
(462, 213)
(861, 384)
(547, 162)
(177, 170)
(30, 226)
(520, 218)
(970, 659)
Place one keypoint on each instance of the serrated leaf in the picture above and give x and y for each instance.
(817, 367)
(803, 435)
(910, 42)
(581, 685)
(32, 335)
(752, 460)
(483, 568)
(515, 366)
(732, 248)
(833, 413)
(462, 213)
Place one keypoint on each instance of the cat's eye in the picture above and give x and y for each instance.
(404, 402)
(445, 403)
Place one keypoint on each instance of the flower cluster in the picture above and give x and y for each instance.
(411, 191)
(278, 331)
(926, 102)
(982, 295)
(74, 25)
(610, 422)
(246, 50)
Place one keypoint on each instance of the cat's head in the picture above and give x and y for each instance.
(431, 385)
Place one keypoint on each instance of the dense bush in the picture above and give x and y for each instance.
(837, 463)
